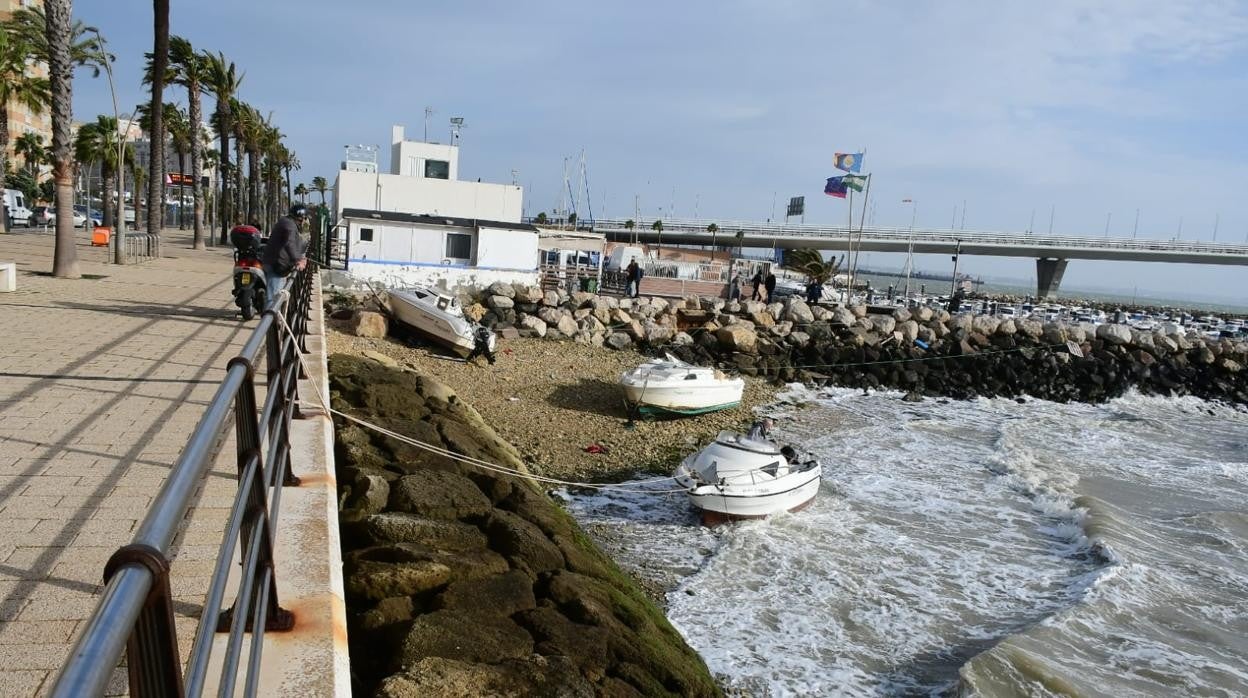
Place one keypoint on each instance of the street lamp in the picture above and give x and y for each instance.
(119, 225)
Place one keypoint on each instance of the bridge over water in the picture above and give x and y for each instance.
(1051, 252)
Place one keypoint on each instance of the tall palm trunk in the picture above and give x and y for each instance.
(225, 203)
(4, 163)
(182, 193)
(253, 182)
(61, 78)
(156, 164)
(197, 170)
(240, 194)
(109, 182)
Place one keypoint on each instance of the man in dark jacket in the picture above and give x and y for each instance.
(634, 278)
(770, 285)
(284, 250)
(758, 282)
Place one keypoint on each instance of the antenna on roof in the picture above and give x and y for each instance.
(457, 122)
(428, 113)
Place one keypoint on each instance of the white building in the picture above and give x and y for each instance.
(424, 180)
(402, 249)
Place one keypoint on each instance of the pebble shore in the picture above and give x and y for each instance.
(552, 399)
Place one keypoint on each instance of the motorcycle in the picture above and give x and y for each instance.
(250, 293)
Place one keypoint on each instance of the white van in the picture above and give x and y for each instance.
(15, 202)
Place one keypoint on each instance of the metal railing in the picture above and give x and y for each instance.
(727, 232)
(135, 613)
(142, 247)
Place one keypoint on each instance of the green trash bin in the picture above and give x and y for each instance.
(589, 285)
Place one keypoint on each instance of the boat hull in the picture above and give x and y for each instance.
(685, 400)
(734, 501)
(432, 324)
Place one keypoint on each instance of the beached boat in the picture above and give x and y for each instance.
(436, 316)
(671, 385)
(737, 477)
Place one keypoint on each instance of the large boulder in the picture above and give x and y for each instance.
(529, 294)
(909, 331)
(500, 302)
(376, 580)
(1114, 333)
(620, 317)
(985, 324)
(365, 323)
(566, 325)
(901, 314)
(1030, 328)
(619, 340)
(922, 314)
(550, 316)
(884, 324)
(1054, 334)
(534, 324)
(737, 337)
(582, 299)
(501, 288)
(759, 319)
(658, 334)
(682, 339)
(798, 312)
(961, 321)
(843, 316)
(438, 495)
(1007, 327)
(550, 298)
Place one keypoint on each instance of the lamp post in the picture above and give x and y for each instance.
(119, 225)
(914, 211)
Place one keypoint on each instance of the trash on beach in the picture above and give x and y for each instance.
(597, 448)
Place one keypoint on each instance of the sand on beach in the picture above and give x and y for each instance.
(552, 399)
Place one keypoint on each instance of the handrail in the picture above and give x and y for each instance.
(135, 612)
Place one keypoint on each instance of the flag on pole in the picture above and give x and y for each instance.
(855, 182)
(835, 187)
(849, 162)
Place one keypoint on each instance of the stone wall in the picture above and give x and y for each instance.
(466, 582)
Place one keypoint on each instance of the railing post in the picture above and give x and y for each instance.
(247, 439)
(153, 663)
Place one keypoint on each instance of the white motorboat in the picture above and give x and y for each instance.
(737, 477)
(671, 385)
(437, 316)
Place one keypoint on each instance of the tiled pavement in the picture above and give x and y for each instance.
(101, 382)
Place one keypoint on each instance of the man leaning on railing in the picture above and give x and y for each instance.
(286, 249)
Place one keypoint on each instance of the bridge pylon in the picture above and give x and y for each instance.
(1049, 276)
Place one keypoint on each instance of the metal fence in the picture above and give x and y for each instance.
(135, 613)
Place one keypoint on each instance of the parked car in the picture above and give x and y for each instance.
(96, 219)
(42, 216)
(15, 202)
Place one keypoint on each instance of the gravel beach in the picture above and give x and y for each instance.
(553, 399)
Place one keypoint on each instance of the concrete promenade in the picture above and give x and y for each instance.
(102, 380)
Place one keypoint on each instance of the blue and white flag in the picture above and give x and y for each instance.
(849, 162)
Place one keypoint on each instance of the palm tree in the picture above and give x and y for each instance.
(572, 220)
(657, 226)
(156, 161)
(320, 186)
(301, 191)
(17, 88)
(138, 175)
(99, 141)
(540, 219)
(713, 229)
(61, 86)
(223, 81)
(241, 115)
(189, 70)
(30, 146)
(179, 130)
(810, 262)
(629, 225)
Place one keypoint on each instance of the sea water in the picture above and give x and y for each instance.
(982, 547)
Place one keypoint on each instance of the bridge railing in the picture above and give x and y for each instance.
(727, 231)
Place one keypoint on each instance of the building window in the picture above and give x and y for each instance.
(437, 169)
(366, 234)
(459, 246)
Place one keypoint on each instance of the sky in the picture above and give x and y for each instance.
(988, 114)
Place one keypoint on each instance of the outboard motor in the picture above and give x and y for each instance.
(250, 293)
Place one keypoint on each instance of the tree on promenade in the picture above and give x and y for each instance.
(320, 186)
(34, 153)
(179, 129)
(810, 262)
(99, 141)
(190, 68)
(156, 160)
(713, 229)
(657, 227)
(223, 81)
(17, 88)
(301, 191)
(61, 83)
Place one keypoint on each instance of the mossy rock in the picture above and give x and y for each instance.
(534, 676)
(463, 564)
(398, 527)
(465, 636)
(501, 594)
(379, 580)
(535, 507)
(522, 543)
(388, 612)
(438, 495)
(556, 635)
(365, 496)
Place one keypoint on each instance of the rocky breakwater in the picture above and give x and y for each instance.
(921, 351)
(461, 581)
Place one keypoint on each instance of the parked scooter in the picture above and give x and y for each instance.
(250, 293)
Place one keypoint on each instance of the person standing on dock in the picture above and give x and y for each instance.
(758, 282)
(770, 285)
(634, 278)
(284, 251)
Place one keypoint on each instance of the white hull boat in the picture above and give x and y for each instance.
(671, 385)
(737, 477)
(437, 316)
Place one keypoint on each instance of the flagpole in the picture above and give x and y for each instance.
(866, 195)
